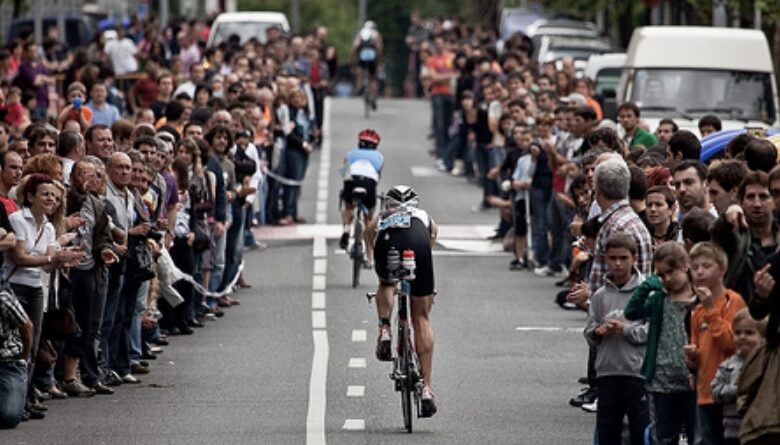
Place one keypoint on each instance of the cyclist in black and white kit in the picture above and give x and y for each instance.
(367, 50)
(418, 235)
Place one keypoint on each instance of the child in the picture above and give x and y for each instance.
(620, 347)
(77, 110)
(711, 337)
(521, 182)
(748, 333)
(666, 298)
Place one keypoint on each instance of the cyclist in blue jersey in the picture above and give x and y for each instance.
(362, 168)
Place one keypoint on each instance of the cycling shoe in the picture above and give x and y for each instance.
(384, 345)
(427, 403)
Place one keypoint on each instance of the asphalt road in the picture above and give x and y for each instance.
(256, 376)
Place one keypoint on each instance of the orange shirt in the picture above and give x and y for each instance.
(593, 103)
(441, 64)
(711, 333)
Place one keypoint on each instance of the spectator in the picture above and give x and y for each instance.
(709, 124)
(660, 203)
(723, 180)
(760, 154)
(121, 51)
(684, 145)
(441, 72)
(628, 116)
(666, 129)
(16, 338)
(688, 180)
(102, 112)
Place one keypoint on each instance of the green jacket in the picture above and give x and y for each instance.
(644, 138)
(647, 303)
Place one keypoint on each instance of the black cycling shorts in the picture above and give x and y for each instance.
(369, 66)
(521, 223)
(369, 200)
(417, 237)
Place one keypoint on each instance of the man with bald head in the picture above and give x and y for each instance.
(113, 341)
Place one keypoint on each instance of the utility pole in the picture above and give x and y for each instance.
(295, 16)
(719, 16)
(38, 21)
(362, 12)
(165, 9)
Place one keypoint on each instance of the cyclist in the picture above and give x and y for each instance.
(362, 168)
(418, 232)
(367, 52)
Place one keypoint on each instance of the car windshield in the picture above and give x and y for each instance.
(732, 95)
(607, 79)
(245, 30)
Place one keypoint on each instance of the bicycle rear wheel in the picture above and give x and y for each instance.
(407, 386)
(357, 254)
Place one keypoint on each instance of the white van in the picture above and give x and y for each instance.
(246, 25)
(686, 72)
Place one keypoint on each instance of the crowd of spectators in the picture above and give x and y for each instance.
(141, 157)
(665, 252)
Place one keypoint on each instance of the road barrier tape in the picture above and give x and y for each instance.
(281, 179)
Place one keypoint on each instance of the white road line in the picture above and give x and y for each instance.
(321, 217)
(320, 247)
(322, 195)
(357, 363)
(318, 382)
(315, 416)
(318, 300)
(358, 335)
(356, 391)
(318, 282)
(322, 206)
(322, 183)
(320, 266)
(354, 425)
(546, 329)
(318, 320)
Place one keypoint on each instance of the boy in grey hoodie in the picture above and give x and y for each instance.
(620, 345)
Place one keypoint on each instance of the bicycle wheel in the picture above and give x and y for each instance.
(357, 254)
(407, 386)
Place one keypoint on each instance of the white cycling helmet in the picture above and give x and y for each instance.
(369, 24)
(400, 196)
(366, 34)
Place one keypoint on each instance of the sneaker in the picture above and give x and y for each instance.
(384, 345)
(113, 379)
(587, 396)
(344, 240)
(517, 264)
(591, 407)
(427, 402)
(459, 168)
(368, 264)
(74, 388)
(542, 271)
(440, 165)
(130, 378)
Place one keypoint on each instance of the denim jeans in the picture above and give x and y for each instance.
(621, 396)
(135, 337)
(443, 107)
(486, 159)
(31, 299)
(13, 392)
(234, 251)
(124, 327)
(297, 161)
(218, 261)
(540, 200)
(109, 328)
(672, 412)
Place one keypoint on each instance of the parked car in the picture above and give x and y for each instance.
(555, 48)
(686, 72)
(514, 20)
(246, 25)
(605, 70)
(79, 31)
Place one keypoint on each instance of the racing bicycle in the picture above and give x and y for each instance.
(357, 245)
(407, 373)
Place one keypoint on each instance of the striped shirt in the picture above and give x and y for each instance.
(620, 217)
(12, 317)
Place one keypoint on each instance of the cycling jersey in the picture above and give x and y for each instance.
(364, 162)
(413, 233)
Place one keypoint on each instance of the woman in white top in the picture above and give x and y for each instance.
(36, 249)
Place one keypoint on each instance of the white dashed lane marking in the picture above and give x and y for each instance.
(356, 391)
(357, 363)
(318, 300)
(318, 320)
(354, 425)
(358, 335)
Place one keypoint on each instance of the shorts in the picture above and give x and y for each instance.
(369, 200)
(521, 220)
(369, 66)
(416, 237)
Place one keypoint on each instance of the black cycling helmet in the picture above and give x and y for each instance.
(400, 195)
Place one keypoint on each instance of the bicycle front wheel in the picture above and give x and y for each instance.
(357, 255)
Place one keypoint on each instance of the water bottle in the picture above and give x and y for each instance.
(393, 260)
(409, 263)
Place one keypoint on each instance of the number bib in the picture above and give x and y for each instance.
(396, 221)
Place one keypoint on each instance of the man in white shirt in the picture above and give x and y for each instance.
(121, 51)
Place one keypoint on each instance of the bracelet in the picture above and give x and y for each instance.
(48, 259)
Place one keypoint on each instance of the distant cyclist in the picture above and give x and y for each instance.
(362, 168)
(367, 53)
(417, 232)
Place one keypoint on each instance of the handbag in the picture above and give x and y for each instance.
(202, 236)
(140, 263)
(58, 322)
